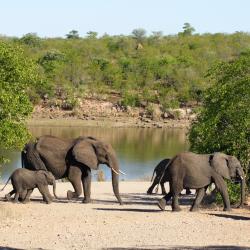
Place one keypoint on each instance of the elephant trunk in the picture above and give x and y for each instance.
(54, 189)
(243, 186)
(115, 178)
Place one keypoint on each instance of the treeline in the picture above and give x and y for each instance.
(139, 68)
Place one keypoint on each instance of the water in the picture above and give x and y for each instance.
(139, 150)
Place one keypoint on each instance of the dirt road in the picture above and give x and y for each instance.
(104, 224)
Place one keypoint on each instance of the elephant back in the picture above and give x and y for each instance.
(53, 152)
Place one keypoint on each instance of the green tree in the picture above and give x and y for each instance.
(31, 39)
(224, 122)
(16, 74)
(188, 30)
(73, 34)
(139, 35)
(92, 34)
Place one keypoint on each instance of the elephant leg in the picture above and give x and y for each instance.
(8, 196)
(86, 183)
(188, 191)
(74, 176)
(222, 188)
(44, 190)
(151, 188)
(163, 190)
(198, 199)
(16, 197)
(27, 198)
(176, 188)
(23, 195)
(163, 201)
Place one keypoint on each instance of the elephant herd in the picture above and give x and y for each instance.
(50, 158)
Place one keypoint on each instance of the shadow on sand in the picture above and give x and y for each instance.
(229, 247)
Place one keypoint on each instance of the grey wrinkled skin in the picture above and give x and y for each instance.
(197, 171)
(161, 177)
(74, 159)
(24, 181)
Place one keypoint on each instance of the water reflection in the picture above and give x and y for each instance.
(138, 149)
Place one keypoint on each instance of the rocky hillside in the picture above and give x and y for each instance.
(90, 109)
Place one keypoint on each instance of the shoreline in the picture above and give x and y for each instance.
(106, 122)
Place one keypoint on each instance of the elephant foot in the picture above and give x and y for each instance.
(188, 192)
(149, 192)
(70, 195)
(85, 201)
(164, 193)
(7, 197)
(162, 204)
(176, 209)
(227, 209)
(194, 209)
(25, 201)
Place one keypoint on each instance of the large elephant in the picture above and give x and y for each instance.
(24, 181)
(161, 177)
(197, 171)
(74, 159)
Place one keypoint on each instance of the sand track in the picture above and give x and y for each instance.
(104, 224)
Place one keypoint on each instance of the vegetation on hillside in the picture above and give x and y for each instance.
(167, 70)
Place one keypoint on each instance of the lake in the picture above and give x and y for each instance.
(138, 149)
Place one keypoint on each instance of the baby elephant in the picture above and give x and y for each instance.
(161, 177)
(24, 181)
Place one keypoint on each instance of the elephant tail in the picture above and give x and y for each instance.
(5, 184)
(23, 157)
(153, 176)
(165, 168)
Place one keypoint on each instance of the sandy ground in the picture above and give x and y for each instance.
(104, 224)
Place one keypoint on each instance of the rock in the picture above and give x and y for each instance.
(156, 112)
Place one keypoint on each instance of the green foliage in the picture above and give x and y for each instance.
(188, 30)
(31, 39)
(139, 35)
(17, 73)
(224, 123)
(130, 99)
(233, 191)
(92, 34)
(73, 34)
(167, 70)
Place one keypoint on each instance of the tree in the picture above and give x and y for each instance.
(16, 75)
(92, 34)
(139, 35)
(224, 123)
(73, 34)
(188, 30)
(31, 39)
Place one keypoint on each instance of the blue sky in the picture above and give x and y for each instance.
(55, 18)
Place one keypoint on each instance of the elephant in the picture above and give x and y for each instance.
(24, 181)
(73, 159)
(198, 171)
(161, 177)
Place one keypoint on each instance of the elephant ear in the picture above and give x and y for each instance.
(84, 152)
(219, 163)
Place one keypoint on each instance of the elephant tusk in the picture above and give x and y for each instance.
(114, 171)
(241, 177)
(122, 172)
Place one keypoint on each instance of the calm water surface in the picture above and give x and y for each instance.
(139, 150)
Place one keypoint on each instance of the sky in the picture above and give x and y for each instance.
(55, 18)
